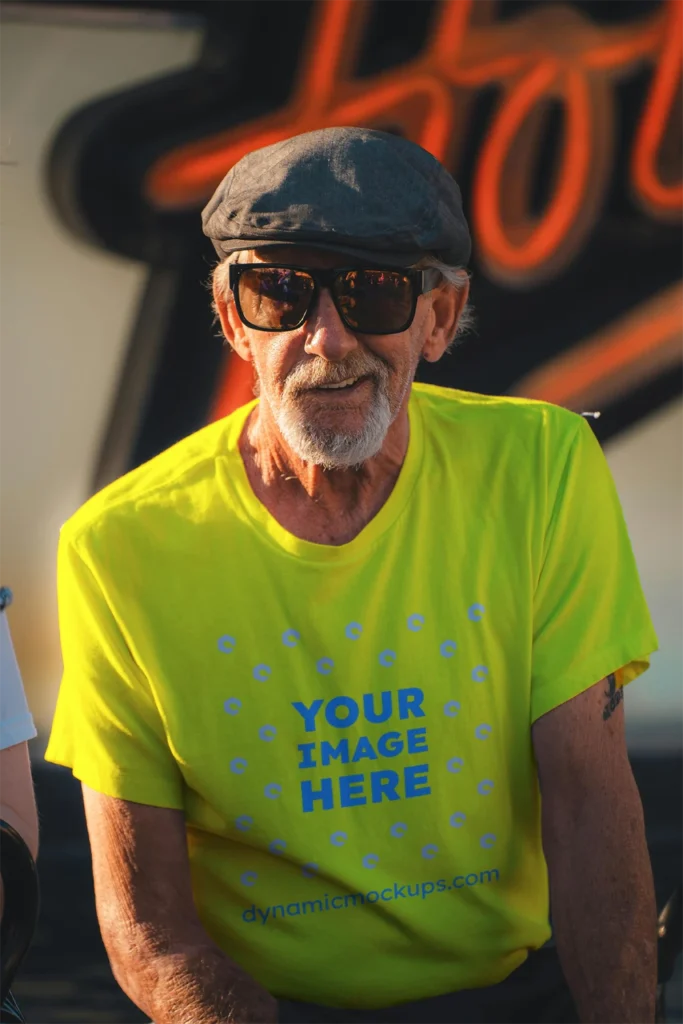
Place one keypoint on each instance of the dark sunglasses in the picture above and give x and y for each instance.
(275, 297)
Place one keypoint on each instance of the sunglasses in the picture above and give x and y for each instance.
(274, 297)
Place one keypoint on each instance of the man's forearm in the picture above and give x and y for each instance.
(193, 985)
(603, 908)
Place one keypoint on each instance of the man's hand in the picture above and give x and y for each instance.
(601, 889)
(160, 954)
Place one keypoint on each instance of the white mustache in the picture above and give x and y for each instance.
(305, 377)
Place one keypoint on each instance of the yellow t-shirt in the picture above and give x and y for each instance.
(347, 729)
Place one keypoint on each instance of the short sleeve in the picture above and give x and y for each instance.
(107, 727)
(16, 722)
(590, 615)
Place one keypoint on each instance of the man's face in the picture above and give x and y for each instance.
(300, 372)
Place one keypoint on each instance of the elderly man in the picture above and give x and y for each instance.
(323, 657)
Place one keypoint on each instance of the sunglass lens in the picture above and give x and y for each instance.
(275, 298)
(375, 301)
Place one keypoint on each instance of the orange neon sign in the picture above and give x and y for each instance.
(605, 367)
(550, 53)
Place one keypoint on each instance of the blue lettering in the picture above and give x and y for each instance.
(328, 750)
(387, 898)
(415, 737)
(415, 777)
(351, 790)
(334, 902)
(393, 738)
(341, 702)
(308, 794)
(410, 703)
(307, 758)
(364, 749)
(308, 714)
(352, 897)
(384, 784)
(369, 707)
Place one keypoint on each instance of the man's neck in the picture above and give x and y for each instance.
(326, 506)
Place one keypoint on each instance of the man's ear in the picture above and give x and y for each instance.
(231, 325)
(448, 303)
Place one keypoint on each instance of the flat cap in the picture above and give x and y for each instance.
(366, 193)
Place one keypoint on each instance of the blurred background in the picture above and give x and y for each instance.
(562, 122)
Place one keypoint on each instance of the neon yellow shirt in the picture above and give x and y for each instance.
(347, 729)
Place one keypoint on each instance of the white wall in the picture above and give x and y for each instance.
(65, 312)
(647, 465)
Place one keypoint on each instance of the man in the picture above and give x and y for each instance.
(319, 655)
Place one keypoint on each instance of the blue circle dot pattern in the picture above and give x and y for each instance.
(485, 787)
(398, 830)
(273, 790)
(353, 631)
(387, 658)
(261, 673)
(232, 706)
(291, 637)
(483, 731)
(338, 838)
(448, 648)
(429, 851)
(324, 666)
(475, 612)
(267, 733)
(238, 765)
(277, 847)
(458, 819)
(415, 623)
(487, 841)
(479, 673)
(226, 644)
(455, 765)
(370, 860)
(309, 870)
(451, 708)
(248, 878)
(244, 822)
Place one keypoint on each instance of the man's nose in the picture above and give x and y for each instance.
(327, 337)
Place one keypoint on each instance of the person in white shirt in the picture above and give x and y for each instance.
(18, 814)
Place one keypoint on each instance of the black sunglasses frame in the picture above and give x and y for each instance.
(421, 280)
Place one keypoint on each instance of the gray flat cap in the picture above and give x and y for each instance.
(368, 194)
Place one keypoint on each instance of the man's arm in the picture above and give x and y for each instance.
(160, 953)
(601, 889)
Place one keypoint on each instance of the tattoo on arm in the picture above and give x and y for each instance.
(614, 697)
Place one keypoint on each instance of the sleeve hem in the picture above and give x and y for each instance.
(119, 785)
(634, 659)
(18, 729)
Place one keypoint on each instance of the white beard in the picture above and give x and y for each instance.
(330, 449)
